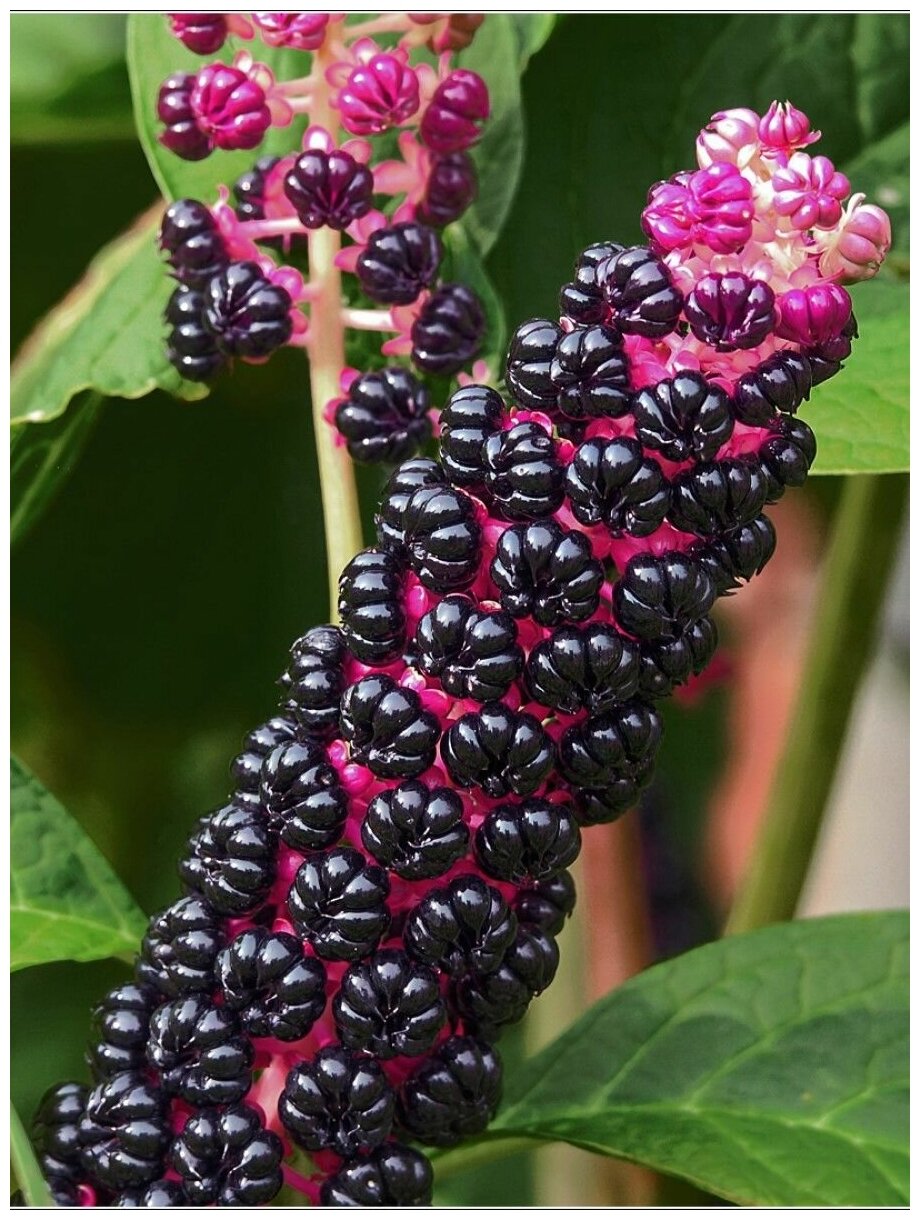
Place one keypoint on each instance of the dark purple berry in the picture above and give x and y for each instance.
(527, 841)
(180, 948)
(329, 188)
(472, 415)
(826, 359)
(473, 653)
(121, 1021)
(591, 667)
(457, 108)
(246, 768)
(639, 292)
(202, 33)
(273, 987)
(193, 245)
(530, 358)
(407, 478)
(464, 927)
(386, 728)
(399, 262)
(338, 1101)
(489, 1001)
(338, 903)
(125, 1132)
(162, 1193)
(454, 1094)
(547, 572)
(449, 330)
(451, 188)
(227, 1157)
(668, 663)
(737, 555)
(547, 904)
(614, 483)
(730, 311)
(781, 383)
(302, 796)
(787, 456)
(313, 681)
(389, 1005)
(658, 596)
(440, 537)
(521, 473)
(385, 416)
(392, 1176)
(498, 750)
(249, 189)
(182, 135)
(712, 497)
(415, 831)
(199, 1052)
(685, 417)
(583, 300)
(608, 758)
(230, 861)
(590, 374)
(247, 314)
(190, 348)
(371, 606)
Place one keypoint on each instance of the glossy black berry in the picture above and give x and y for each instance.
(669, 662)
(787, 456)
(192, 243)
(179, 949)
(386, 728)
(392, 1176)
(227, 1157)
(716, 496)
(451, 188)
(338, 1101)
(56, 1127)
(190, 348)
(640, 294)
(398, 262)
(530, 358)
(246, 768)
(528, 841)
(737, 555)
(614, 483)
(199, 1052)
(162, 1193)
(547, 572)
(660, 595)
(181, 133)
(781, 383)
(249, 189)
(415, 831)
(547, 904)
(385, 416)
(685, 417)
(121, 1021)
(472, 415)
(247, 314)
(338, 903)
(498, 750)
(472, 652)
(583, 299)
(302, 797)
(124, 1132)
(730, 311)
(590, 374)
(608, 757)
(449, 330)
(826, 359)
(440, 538)
(591, 667)
(371, 606)
(273, 987)
(312, 683)
(389, 1005)
(406, 479)
(464, 927)
(488, 1002)
(521, 473)
(454, 1094)
(329, 188)
(230, 860)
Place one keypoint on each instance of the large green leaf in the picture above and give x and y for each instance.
(769, 1068)
(28, 1174)
(66, 904)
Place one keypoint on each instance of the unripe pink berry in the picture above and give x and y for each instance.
(808, 190)
(731, 136)
(230, 107)
(460, 104)
(713, 206)
(300, 31)
(859, 248)
(784, 129)
(203, 33)
(457, 32)
(378, 94)
(813, 315)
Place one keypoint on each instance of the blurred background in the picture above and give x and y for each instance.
(154, 602)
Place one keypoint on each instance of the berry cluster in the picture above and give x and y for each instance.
(382, 892)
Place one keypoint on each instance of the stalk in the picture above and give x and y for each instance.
(864, 542)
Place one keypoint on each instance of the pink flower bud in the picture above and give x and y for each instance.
(230, 107)
(808, 191)
(451, 121)
(713, 206)
(731, 136)
(859, 247)
(784, 129)
(814, 315)
(455, 30)
(379, 94)
(301, 31)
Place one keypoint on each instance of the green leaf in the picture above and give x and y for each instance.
(880, 171)
(769, 1068)
(860, 417)
(462, 263)
(66, 904)
(25, 1165)
(532, 31)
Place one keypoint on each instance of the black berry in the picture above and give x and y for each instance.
(521, 473)
(547, 904)
(230, 860)
(590, 374)
(371, 606)
(406, 479)
(472, 415)
(416, 831)
(249, 189)
(449, 330)
(715, 496)
(454, 1094)
(303, 799)
(181, 134)
(272, 986)
(180, 948)
(121, 1021)
(162, 1193)
(56, 1127)
(609, 757)
(227, 1157)
(386, 728)
(194, 248)
(591, 667)
(498, 750)
(612, 481)
(312, 683)
(529, 841)
(338, 903)
(530, 357)
(398, 262)
(547, 572)
(583, 300)
(639, 292)
(737, 555)
(337, 1101)
(685, 417)
(385, 416)
(389, 1005)
(440, 538)
(199, 1052)
(329, 188)
(787, 456)
(451, 188)
(472, 652)
(247, 314)
(668, 663)
(124, 1132)
(781, 383)
(660, 595)
(190, 348)
(489, 1001)
(464, 927)
(392, 1176)
(246, 768)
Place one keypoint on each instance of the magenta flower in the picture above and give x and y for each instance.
(808, 190)
(857, 249)
(380, 93)
(731, 136)
(713, 206)
(230, 107)
(784, 129)
(300, 31)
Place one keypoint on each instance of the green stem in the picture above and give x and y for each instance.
(25, 1166)
(483, 1152)
(866, 533)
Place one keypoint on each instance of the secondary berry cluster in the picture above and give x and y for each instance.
(381, 894)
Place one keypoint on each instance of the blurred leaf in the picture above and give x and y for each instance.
(860, 417)
(66, 904)
(532, 31)
(770, 1068)
(28, 1175)
(464, 264)
(880, 172)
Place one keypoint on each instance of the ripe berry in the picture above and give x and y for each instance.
(389, 1005)
(498, 750)
(371, 606)
(440, 538)
(329, 188)
(715, 496)
(406, 478)
(730, 311)
(782, 382)
(472, 415)
(464, 927)
(120, 1026)
(247, 314)
(614, 483)
(230, 861)
(449, 330)
(583, 300)
(194, 248)
(454, 1094)
(638, 289)
(609, 757)
(203, 33)
(386, 728)
(591, 667)
(826, 358)
(179, 949)
(474, 653)
(590, 374)
(452, 186)
(272, 986)
(199, 1052)
(385, 416)
(246, 768)
(521, 473)
(787, 456)
(338, 904)
(162, 1193)
(547, 904)
(667, 663)
(249, 189)
(337, 1101)
(312, 683)
(227, 1157)
(451, 119)
(56, 1127)
(190, 347)
(487, 1002)
(415, 831)
(398, 262)
(124, 1132)
(392, 1176)
(530, 358)
(660, 595)
(684, 417)
(182, 135)
(302, 797)
(737, 555)
(527, 841)
(547, 572)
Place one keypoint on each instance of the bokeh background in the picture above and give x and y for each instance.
(154, 601)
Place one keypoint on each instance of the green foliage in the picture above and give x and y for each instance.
(33, 1186)
(769, 1068)
(65, 903)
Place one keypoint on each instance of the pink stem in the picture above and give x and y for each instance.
(368, 319)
